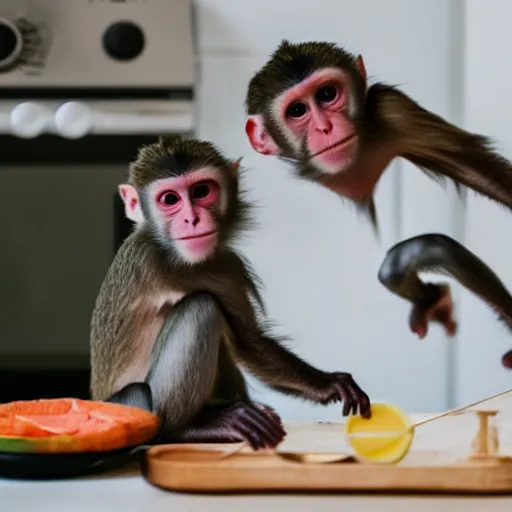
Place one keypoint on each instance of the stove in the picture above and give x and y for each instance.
(83, 84)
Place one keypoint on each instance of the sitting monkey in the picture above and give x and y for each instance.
(175, 311)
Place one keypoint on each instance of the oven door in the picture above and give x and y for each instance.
(62, 222)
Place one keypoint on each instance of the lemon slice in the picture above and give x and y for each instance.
(384, 438)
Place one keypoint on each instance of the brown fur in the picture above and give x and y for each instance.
(441, 149)
(145, 270)
(129, 313)
(439, 253)
(125, 304)
(174, 155)
(292, 63)
(388, 118)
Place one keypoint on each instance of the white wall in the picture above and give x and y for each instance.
(488, 110)
(318, 259)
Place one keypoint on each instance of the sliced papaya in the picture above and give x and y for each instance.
(384, 438)
(69, 425)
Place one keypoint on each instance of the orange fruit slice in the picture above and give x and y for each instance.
(67, 425)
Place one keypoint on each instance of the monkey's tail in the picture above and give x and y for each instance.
(438, 252)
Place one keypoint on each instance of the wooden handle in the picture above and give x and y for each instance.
(460, 409)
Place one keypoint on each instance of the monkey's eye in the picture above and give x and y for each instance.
(326, 94)
(169, 198)
(296, 109)
(200, 191)
(205, 193)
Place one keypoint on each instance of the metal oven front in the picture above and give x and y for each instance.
(83, 84)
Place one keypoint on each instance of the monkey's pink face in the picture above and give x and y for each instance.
(185, 207)
(318, 112)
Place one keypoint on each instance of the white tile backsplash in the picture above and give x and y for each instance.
(232, 26)
(318, 260)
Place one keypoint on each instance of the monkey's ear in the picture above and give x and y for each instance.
(258, 136)
(131, 201)
(235, 166)
(360, 65)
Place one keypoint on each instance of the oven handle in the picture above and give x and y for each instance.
(75, 119)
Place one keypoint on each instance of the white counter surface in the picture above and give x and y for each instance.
(127, 491)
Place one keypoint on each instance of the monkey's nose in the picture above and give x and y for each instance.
(194, 221)
(324, 128)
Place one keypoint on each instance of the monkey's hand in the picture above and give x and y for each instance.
(439, 309)
(270, 411)
(257, 424)
(341, 387)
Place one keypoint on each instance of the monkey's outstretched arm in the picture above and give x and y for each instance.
(439, 148)
(284, 371)
(437, 252)
(267, 357)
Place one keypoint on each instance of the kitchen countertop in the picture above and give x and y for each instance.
(125, 490)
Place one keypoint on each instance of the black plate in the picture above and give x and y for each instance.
(36, 466)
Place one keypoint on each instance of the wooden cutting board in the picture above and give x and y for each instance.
(439, 461)
(202, 468)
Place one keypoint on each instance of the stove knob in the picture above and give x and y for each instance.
(11, 43)
(123, 40)
(28, 120)
(73, 120)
